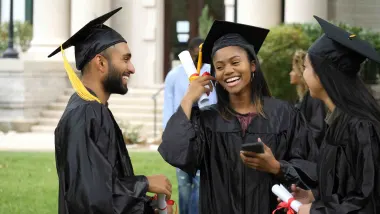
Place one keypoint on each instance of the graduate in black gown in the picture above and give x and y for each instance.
(94, 169)
(210, 139)
(313, 109)
(349, 162)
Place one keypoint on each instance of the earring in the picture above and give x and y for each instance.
(253, 75)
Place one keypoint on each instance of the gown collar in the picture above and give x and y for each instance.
(332, 116)
(93, 93)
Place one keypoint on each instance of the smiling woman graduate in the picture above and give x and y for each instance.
(210, 138)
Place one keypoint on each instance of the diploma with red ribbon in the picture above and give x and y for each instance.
(288, 202)
(162, 203)
(193, 73)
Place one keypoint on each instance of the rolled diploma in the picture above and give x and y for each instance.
(162, 204)
(188, 65)
(284, 195)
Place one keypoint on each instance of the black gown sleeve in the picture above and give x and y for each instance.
(91, 186)
(365, 162)
(314, 111)
(299, 163)
(183, 141)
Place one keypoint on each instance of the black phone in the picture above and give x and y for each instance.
(257, 147)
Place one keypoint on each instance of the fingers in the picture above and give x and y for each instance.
(205, 78)
(249, 154)
(249, 161)
(294, 188)
(168, 193)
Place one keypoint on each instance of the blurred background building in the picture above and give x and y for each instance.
(35, 89)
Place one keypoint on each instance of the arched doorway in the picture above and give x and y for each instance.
(184, 14)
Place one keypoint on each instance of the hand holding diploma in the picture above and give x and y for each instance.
(164, 206)
(193, 76)
(288, 201)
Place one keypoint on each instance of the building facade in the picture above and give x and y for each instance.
(143, 23)
(32, 82)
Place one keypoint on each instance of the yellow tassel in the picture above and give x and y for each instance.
(76, 83)
(199, 66)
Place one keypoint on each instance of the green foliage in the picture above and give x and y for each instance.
(29, 182)
(131, 133)
(205, 22)
(23, 33)
(283, 40)
(276, 58)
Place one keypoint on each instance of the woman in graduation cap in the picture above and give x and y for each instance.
(232, 180)
(313, 109)
(349, 162)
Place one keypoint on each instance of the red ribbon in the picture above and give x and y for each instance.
(194, 75)
(284, 205)
(168, 202)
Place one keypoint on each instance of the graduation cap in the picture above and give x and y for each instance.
(223, 34)
(89, 41)
(343, 49)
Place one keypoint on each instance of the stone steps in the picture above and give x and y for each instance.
(136, 108)
(56, 109)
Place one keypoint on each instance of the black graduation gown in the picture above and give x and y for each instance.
(212, 144)
(94, 169)
(314, 111)
(348, 169)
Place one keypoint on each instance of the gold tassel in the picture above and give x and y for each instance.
(199, 66)
(76, 83)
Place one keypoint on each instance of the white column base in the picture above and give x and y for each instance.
(297, 11)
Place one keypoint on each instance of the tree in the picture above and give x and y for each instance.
(205, 22)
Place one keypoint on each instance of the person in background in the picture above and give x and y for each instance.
(313, 109)
(176, 86)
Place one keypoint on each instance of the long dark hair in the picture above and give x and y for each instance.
(346, 90)
(259, 89)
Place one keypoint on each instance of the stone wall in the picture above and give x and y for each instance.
(363, 13)
(26, 88)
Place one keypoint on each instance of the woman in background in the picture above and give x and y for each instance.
(314, 110)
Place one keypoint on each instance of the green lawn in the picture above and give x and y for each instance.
(28, 181)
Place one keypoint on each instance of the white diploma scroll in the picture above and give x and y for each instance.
(281, 192)
(188, 65)
(162, 204)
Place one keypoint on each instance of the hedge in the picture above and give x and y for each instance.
(283, 40)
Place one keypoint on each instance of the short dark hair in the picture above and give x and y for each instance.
(195, 42)
(104, 53)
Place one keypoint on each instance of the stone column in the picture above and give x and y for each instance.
(260, 13)
(144, 36)
(51, 21)
(302, 11)
(82, 12)
(229, 6)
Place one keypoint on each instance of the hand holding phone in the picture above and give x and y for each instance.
(257, 147)
(264, 159)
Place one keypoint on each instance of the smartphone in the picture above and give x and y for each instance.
(257, 147)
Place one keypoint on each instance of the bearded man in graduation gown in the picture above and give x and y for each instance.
(94, 169)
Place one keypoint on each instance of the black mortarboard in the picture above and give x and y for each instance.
(92, 39)
(223, 34)
(345, 51)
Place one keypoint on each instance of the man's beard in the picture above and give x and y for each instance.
(113, 83)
